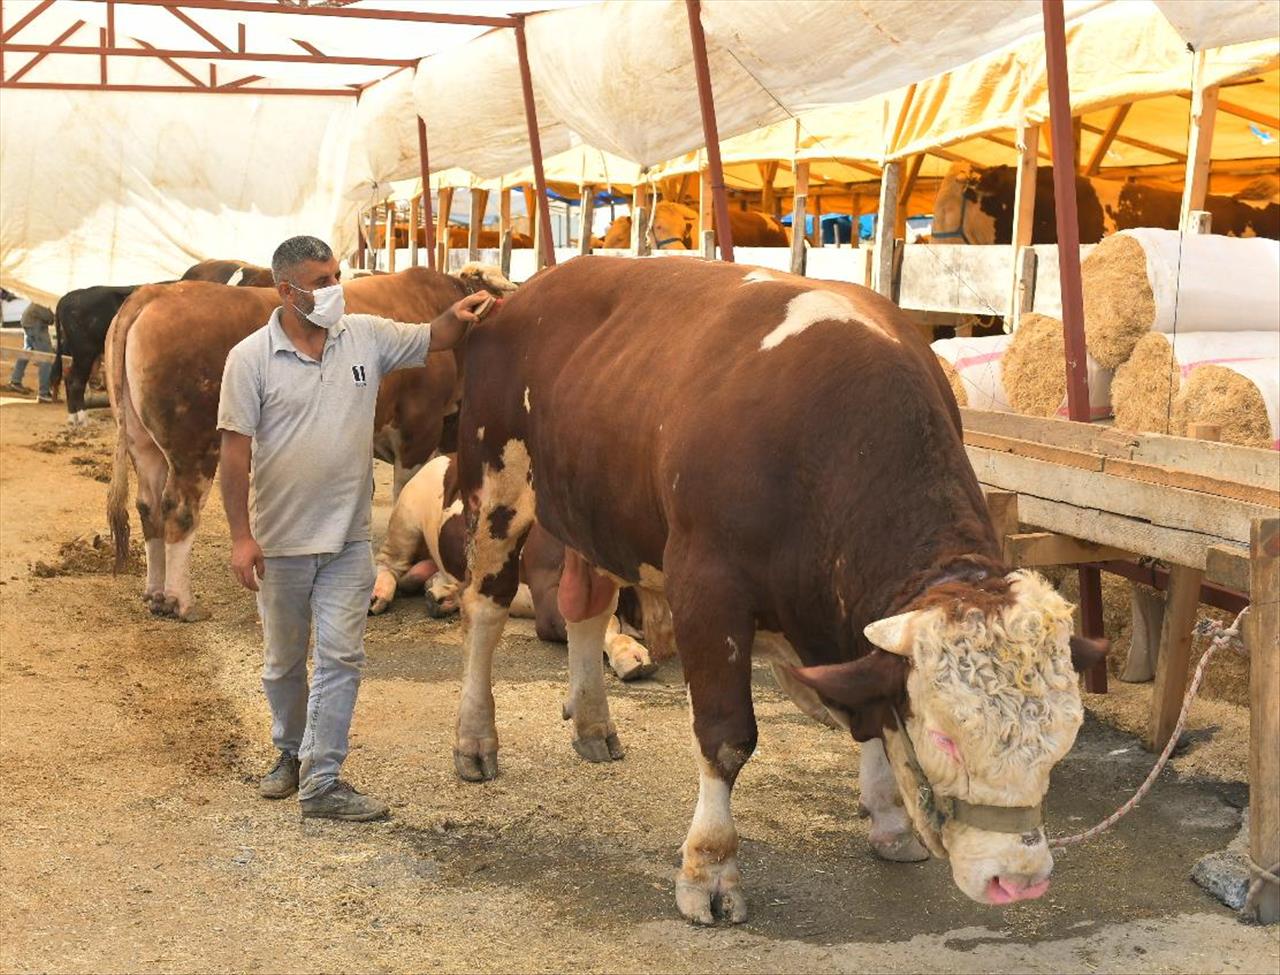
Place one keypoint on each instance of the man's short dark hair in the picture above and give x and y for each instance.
(295, 251)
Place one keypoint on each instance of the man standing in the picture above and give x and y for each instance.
(298, 399)
(36, 320)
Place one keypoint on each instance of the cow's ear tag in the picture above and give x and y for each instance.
(894, 633)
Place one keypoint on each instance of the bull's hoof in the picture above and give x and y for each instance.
(162, 605)
(606, 749)
(436, 609)
(629, 670)
(900, 848)
(378, 606)
(476, 768)
(707, 903)
(195, 613)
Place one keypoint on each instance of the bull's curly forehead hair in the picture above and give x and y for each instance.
(295, 251)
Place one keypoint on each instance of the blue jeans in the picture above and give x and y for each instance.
(325, 597)
(34, 340)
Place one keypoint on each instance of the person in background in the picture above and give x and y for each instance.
(297, 406)
(36, 320)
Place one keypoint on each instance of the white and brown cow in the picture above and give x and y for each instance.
(675, 227)
(424, 550)
(794, 482)
(164, 358)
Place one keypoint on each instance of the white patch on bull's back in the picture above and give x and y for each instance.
(808, 308)
(236, 278)
(758, 275)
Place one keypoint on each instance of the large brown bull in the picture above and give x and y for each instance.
(165, 354)
(236, 273)
(793, 479)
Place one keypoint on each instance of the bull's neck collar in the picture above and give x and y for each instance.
(965, 568)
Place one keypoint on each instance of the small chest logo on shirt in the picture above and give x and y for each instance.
(357, 374)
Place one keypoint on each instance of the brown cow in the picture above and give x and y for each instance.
(794, 481)
(424, 551)
(675, 227)
(236, 273)
(165, 353)
(975, 206)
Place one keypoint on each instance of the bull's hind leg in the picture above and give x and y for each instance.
(587, 601)
(184, 498)
(714, 632)
(499, 517)
(152, 469)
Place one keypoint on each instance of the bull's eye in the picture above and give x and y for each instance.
(945, 744)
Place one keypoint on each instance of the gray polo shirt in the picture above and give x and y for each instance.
(312, 427)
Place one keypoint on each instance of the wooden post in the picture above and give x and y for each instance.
(768, 195)
(886, 220)
(710, 133)
(1262, 637)
(442, 229)
(706, 223)
(904, 194)
(543, 242)
(1076, 123)
(414, 204)
(1174, 660)
(373, 237)
(817, 221)
(855, 208)
(1003, 508)
(1027, 138)
(1204, 111)
(504, 253)
(479, 203)
(799, 214)
(428, 223)
(1200, 222)
(391, 237)
(586, 217)
(640, 220)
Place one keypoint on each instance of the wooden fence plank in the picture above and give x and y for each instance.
(1262, 637)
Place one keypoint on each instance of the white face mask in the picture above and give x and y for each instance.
(329, 306)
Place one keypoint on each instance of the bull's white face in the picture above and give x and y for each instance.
(994, 705)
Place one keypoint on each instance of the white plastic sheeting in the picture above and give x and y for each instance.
(1254, 355)
(977, 362)
(116, 188)
(1221, 22)
(1197, 281)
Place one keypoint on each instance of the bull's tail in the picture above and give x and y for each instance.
(118, 392)
(55, 374)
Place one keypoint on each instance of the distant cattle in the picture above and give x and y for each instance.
(675, 227)
(83, 318)
(165, 354)
(974, 205)
(424, 551)
(235, 273)
(783, 461)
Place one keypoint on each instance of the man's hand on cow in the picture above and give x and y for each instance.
(246, 560)
(449, 328)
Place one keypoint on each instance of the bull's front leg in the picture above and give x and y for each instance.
(891, 834)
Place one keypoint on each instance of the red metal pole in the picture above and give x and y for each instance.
(535, 148)
(710, 132)
(428, 218)
(1064, 201)
(355, 13)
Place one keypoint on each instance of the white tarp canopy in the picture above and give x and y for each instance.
(223, 176)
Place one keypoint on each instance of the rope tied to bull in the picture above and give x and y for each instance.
(1222, 636)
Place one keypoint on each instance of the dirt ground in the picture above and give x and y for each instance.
(131, 837)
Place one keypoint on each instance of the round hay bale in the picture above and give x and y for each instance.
(1033, 369)
(953, 380)
(1146, 388)
(1119, 305)
(1215, 394)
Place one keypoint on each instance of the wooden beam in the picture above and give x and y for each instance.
(1024, 206)
(1242, 111)
(769, 197)
(886, 221)
(1175, 654)
(1204, 108)
(212, 39)
(1176, 172)
(640, 220)
(44, 54)
(799, 217)
(1262, 637)
(27, 18)
(414, 205)
(1040, 153)
(354, 12)
(586, 217)
(1002, 506)
(1077, 126)
(904, 194)
(1107, 137)
(445, 198)
(1129, 140)
(1031, 549)
(479, 203)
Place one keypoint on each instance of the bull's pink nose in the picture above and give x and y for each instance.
(1008, 890)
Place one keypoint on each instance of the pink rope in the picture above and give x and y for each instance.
(1223, 636)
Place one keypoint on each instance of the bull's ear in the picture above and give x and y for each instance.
(1087, 654)
(893, 633)
(857, 683)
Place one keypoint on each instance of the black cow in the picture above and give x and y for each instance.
(83, 317)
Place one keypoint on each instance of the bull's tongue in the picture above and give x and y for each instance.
(1001, 892)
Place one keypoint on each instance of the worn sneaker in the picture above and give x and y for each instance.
(344, 802)
(19, 388)
(282, 781)
(44, 398)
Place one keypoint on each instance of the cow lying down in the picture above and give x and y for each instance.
(424, 551)
(794, 482)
